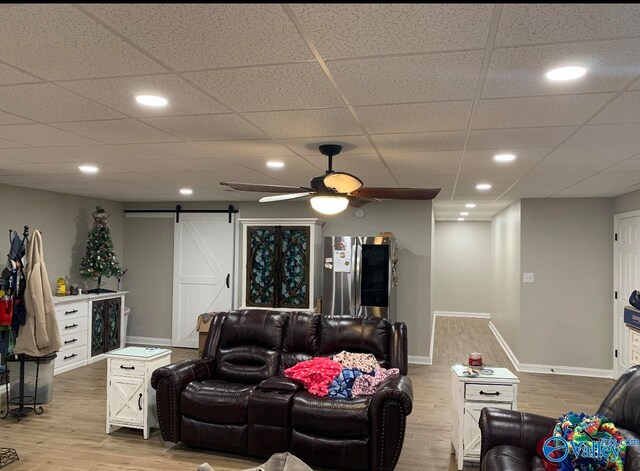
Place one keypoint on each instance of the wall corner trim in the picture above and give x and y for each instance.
(418, 360)
(548, 369)
(160, 342)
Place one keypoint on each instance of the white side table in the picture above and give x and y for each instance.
(470, 396)
(131, 401)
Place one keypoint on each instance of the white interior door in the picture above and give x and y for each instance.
(626, 279)
(202, 272)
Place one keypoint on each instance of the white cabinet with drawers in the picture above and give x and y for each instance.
(470, 396)
(634, 346)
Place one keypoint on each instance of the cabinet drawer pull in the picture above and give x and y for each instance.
(71, 356)
(497, 393)
(67, 342)
(72, 326)
(122, 367)
(140, 401)
(71, 312)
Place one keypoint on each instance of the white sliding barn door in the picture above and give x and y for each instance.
(202, 272)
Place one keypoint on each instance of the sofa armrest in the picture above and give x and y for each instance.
(169, 382)
(280, 383)
(510, 427)
(390, 406)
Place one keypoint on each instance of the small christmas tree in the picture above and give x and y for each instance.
(100, 258)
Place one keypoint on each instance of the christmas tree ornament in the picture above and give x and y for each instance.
(100, 259)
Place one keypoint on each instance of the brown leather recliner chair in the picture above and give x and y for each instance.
(509, 438)
(237, 399)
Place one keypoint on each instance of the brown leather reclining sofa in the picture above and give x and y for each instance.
(236, 398)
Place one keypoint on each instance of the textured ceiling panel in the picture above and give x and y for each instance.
(276, 87)
(538, 111)
(167, 150)
(41, 135)
(117, 131)
(585, 158)
(404, 79)
(542, 185)
(350, 30)
(12, 75)
(207, 36)
(520, 71)
(423, 163)
(59, 42)
(612, 134)
(506, 139)
(482, 164)
(306, 123)
(434, 116)
(624, 109)
(7, 118)
(419, 142)
(120, 93)
(547, 23)
(602, 184)
(207, 127)
(308, 146)
(249, 148)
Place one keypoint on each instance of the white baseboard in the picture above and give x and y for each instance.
(482, 315)
(548, 369)
(159, 342)
(418, 360)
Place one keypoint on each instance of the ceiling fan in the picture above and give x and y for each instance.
(332, 192)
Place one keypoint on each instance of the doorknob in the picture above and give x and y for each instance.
(228, 277)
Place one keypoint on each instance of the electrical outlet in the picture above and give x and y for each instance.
(527, 277)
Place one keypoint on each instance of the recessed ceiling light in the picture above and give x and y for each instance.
(470, 205)
(464, 213)
(186, 191)
(274, 164)
(460, 219)
(152, 100)
(483, 186)
(88, 169)
(562, 74)
(504, 157)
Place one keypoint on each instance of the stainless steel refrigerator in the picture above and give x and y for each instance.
(360, 276)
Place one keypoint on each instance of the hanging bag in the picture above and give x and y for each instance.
(6, 311)
(634, 299)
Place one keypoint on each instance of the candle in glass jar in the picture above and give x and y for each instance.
(475, 359)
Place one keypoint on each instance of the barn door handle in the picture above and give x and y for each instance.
(140, 401)
(497, 393)
(122, 367)
(227, 281)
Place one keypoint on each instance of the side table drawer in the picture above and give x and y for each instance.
(489, 392)
(635, 357)
(126, 367)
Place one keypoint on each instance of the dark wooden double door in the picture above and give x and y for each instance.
(105, 325)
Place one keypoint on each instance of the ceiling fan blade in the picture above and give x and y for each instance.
(357, 202)
(342, 182)
(397, 193)
(292, 196)
(265, 188)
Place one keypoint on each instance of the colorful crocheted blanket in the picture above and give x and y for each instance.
(589, 443)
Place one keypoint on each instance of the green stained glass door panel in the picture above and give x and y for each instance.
(112, 334)
(294, 267)
(261, 266)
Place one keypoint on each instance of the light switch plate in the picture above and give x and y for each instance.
(527, 277)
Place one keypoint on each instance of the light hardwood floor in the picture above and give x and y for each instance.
(70, 435)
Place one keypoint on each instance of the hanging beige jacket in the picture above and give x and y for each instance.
(39, 335)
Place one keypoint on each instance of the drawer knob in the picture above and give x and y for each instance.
(67, 342)
(482, 393)
(71, 356)
(71, 312)
(70, 326)
(122, 367)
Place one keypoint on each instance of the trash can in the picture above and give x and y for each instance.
(125, 321)
(44, 367)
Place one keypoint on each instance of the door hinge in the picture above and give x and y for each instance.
(616, 352)
(615, 294)
(615, 237)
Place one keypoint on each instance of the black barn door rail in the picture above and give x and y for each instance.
(230, 210)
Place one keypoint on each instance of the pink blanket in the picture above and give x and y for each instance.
(315, 375)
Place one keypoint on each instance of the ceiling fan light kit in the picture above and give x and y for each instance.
(333, 191)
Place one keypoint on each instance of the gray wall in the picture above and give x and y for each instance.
(462, 267)
(627, 202)
(505, 293)
(567, 244)
(410, 221)
(149, 255)
(64, 221)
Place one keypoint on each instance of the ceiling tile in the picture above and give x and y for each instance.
(207, 127)
(628, 165)
(538, 111)
(39, 38)
(38, 154)
(624, 109)
(42, 135)
(167, 150)
(426, 181)
(6, 144)
(117, 131)
(423, 163)
(207, 36)
(419, 142)
(274, 87)
(585, 158)
(306, 123)
(46, 102)
(434, 116)
(520, 71)
(12, 75)
(120, 93)
(517, 138)
(309, 145)
(430, 77)
(602, 184)
(296, 172)
(542, 185)
(548, 23)
(248, 148)
(353, 30)
(6, 118)
(606, 134)
(481, 163)
(360, 165)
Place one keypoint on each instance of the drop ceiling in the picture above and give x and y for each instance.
(419, 95)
